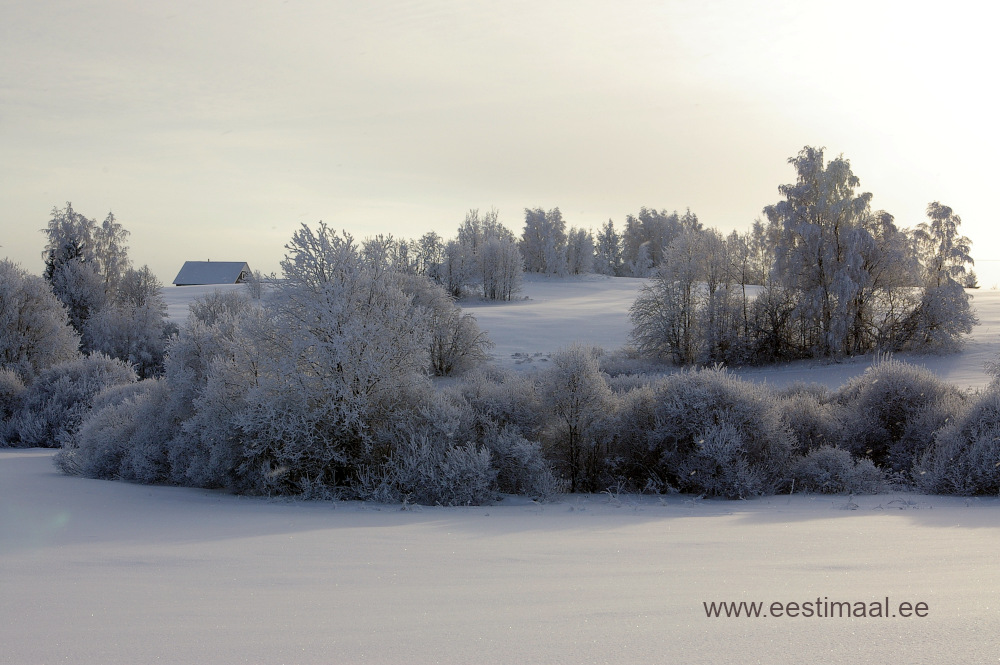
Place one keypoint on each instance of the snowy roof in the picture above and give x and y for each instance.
(212, 272)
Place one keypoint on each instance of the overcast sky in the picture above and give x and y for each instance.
(213, 129)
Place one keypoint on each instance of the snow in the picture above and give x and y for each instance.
(104, 572)
(553, 312)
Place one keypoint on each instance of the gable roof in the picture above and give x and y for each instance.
(212, 272)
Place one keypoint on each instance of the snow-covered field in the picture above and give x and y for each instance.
(594, 310)
(102, 572)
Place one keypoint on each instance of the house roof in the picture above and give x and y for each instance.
(211, 272)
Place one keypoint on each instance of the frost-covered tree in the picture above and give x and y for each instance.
(579, 252)
(576, 395)
(815, 254)
(665, 315)
(111, 252)
(647, 236)
(837, 258)
(485, 257)
(543, 241)
(80, 288)
(84, 262)
(132, 325)
(353, 355)
(690, 312)
(945, 313)
(721, 316)
(501, 268)
(608, 251)
(761, 241)
(478, 227)
(115, 309)
(430, 255)
(458, 269)
(739, 255)
(456, 342)
(35, 331)
(69, 237)
(944, 252)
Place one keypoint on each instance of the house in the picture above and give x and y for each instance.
(212, 272)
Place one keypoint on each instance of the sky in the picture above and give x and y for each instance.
(214, 130)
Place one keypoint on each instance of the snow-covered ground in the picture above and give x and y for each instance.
(103, 572)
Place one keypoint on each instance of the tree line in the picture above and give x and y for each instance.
(321, 384)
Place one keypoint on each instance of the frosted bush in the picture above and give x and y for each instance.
(434, 472)
(281, 440)
(131, 325)
(212, 307)
(718, 465)
(11, 389)
(633, 456)
(521, 468)
(833, 471)
(500, 397)
(54, 405)
(417, 447)
(35, 332)
(122, 437)
(965, 456)
(814, 418)
(727, 431)
(626, 365)
(893, 410)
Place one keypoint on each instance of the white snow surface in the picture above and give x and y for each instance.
(106, 572)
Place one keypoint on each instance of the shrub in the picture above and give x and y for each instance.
(456, 342)
(54, 405)
(705, 431)
(965, 456)
(501, 398)
(442, 445)
(521, 468)
(814, 418)
(122, 437)
(832, 471)
(893, 410)
(634, 452)
(717, 465)
(212, 307)
(11, 389)
(431, 472)
(35, 332)
(132, 325)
